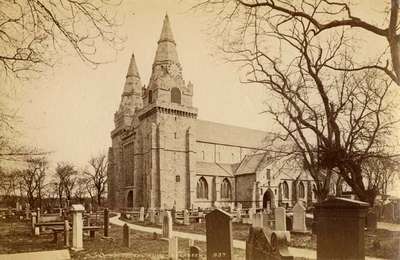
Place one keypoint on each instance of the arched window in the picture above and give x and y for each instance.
(285, 190)
(226, 190)
(150, 96)
(175, 95)
(202, 189)
(302, 190)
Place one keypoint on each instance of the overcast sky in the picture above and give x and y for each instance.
(70, 111)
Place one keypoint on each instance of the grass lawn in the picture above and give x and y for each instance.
(15, 237)
(382, 243)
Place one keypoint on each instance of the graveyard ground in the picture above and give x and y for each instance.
(382, 243)
(15, 237)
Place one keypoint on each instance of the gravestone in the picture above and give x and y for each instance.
(219, 235)
(263, 245)
(258, 220)
(194, 253)
(173, 215)
(158, 218)
(106, 222)
(141, 214)
(299, 218)
(77, 227)
(371, 221)
(173, 248)
(126, 236)
(388, 213)
(252, 211)
(186, 219)
(152, 216)
(340, 229)
(66, 233)
(280, 218)
(239, 206)
(33, 221)
(37, 215)
(266, 220)
(167, 225)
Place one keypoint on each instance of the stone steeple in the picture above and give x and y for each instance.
(166, 51)
(131, 95)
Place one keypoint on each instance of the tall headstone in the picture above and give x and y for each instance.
(266, 220)
(37, 215)
(167, 225)
(66, 233)
(126, 236)
(340, 229)
(252, 212)
(77, 226)
(141, 214)
(106, 222)
(258, 220)
(152, 216)
(299, 217)
(173, 248)
(371, 221)
(33, 220)
(219, 235)
(186, 219)
(194, 253)
(280, 219)
(388, 212)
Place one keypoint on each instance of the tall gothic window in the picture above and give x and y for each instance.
(285, 190)
(302, 191)
(150, 96)
(202, 189)
(175, 95)
(226, 190)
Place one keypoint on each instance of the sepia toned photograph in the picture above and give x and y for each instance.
(199, 129)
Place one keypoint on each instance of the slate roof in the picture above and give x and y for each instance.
(251, 163)
(218, 133)
(215, 169)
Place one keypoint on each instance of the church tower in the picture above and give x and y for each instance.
(166, 124)
(131, 101)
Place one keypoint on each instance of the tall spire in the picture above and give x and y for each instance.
(132, 77)
(166, 51)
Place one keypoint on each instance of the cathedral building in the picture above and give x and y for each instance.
(163, 156)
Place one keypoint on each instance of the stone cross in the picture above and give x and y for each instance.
(106, 222)
(280, 219)
(141, 214)
(167, 225)
(126, 236)
(299, 217)
(219, 235)
(173, 248)
(186, 219)
(77, 226)
(194, 253)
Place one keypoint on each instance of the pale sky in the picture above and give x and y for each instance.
(70, 111)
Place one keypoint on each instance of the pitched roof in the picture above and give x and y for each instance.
(215, 169)
(212, 132)
(251, 163)
(166, 50)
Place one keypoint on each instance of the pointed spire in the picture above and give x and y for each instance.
(132, 69)
(166, 50)
(166, 33)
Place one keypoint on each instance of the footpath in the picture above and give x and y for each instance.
(297, 252)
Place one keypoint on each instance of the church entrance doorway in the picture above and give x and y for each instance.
(130, 199)
(268, 199)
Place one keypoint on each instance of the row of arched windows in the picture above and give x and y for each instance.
(202, 189)
(300, 188)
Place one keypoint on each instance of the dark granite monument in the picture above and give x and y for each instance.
(340, 229)
(219, 235)
(126, 236)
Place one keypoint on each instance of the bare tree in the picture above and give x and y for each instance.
(32, 32)
(336, 119)
(66, 176)
(33, 180)
(97, 173)
(327, 17)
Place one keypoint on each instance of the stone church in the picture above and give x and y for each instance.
(163, 156)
